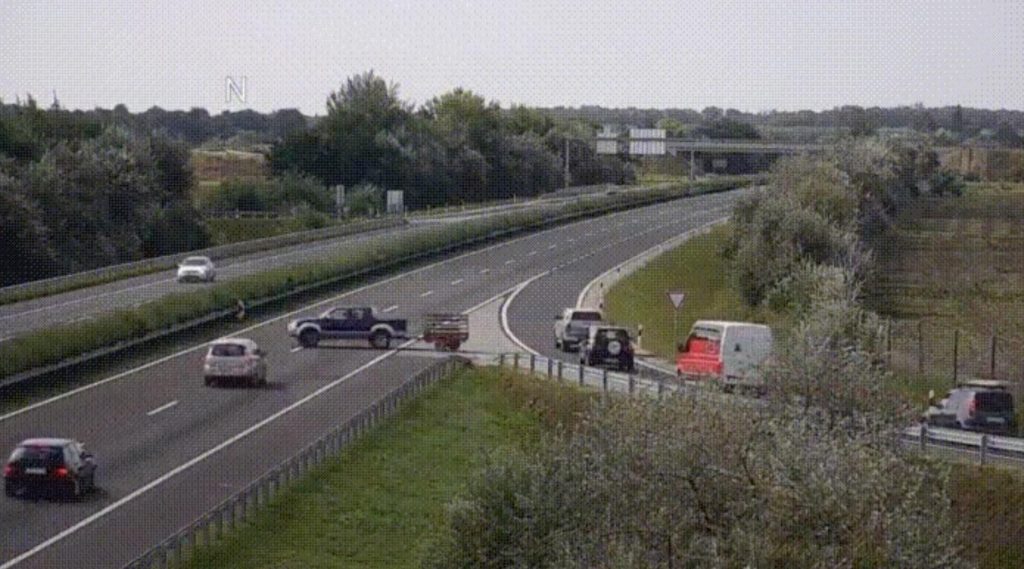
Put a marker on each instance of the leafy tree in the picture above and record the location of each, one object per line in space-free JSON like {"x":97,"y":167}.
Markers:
{"x":727,"y":129}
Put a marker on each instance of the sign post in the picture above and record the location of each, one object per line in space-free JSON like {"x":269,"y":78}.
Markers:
{"x":677,"y":298}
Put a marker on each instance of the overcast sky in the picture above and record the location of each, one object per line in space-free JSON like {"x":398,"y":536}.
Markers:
{"x":753,"y":55}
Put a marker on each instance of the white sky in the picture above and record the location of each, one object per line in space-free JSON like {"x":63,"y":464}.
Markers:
{"x":747,"y":54}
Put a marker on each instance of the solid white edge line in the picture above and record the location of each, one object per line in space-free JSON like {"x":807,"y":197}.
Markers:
{"x":303,"y":309}
{"x":162,"y":408}
{"x":504,"y":316}
{"x":185,"y":466}
{"x":177,"y":470}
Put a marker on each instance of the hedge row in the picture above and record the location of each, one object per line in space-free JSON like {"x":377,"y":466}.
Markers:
{"x":54,"y":345}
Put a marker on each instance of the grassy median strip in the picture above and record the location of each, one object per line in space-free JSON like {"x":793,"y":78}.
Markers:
{"x":382,"y":501}
{"x":696,"y":268}
{"x":52,"y":345}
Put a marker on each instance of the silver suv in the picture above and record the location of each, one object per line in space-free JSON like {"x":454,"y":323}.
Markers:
{"x":235,"y":360}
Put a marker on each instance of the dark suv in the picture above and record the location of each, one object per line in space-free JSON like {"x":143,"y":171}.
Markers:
{"x":608,"y":344}
{"x":61,"y":465}
{"x":984,"y":406}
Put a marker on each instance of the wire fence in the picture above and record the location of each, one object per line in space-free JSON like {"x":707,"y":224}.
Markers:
{"x":243,"y":505}
{"x":938,"y":349}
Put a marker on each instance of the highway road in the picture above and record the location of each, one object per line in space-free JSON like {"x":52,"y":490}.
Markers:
{"x":88,"y":302}
{"x":169,"y":448}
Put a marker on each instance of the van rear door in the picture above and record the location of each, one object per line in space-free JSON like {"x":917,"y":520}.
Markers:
{"x":701,"y":354}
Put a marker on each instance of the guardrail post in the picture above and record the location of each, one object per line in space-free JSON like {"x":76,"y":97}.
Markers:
{"x":924,"y":436}
{"x":661,"y":386}
{"x":560,"y":376}
{"x":604,"y":380}
{"x":984,"y":449}
{"x":515,"y":361}
{"x":533,"y":363}
{"x":550,"y":366}
{"x":632,"y":383}
{"x":582,"y":370}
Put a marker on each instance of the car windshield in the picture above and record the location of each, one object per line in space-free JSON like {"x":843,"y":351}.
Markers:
{"x":38,"y":455}
{"x":587,"y":316}
{"x":228,"y":350}
{"x":994,"y":401}
{"x":614,"y":335}
{"x":194,"y":262}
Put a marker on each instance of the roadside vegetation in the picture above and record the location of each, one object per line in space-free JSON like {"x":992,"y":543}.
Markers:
{"x":53,"y":345}
{"x":381,"y":503}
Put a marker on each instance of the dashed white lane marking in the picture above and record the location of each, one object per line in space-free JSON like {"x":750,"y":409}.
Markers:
{"x":570,"y":240}
{"x":457,"y":281}
{"x":296,"y":349}
{"x":531,"y":253}
{"x":428,"y":293}
{"x":391,"y":308}
{"x":552,"y":246}
{"x":510,"y":261}
{"x":162,"y":408}
{"x":484,"y":271}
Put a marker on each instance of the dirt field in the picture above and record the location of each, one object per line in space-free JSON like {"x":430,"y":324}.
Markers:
{"x":212,"y":165}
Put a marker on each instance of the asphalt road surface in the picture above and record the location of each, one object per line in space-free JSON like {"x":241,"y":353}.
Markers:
{"x":169,"y":448}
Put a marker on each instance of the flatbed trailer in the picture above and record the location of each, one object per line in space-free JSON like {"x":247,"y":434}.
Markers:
{"x":446,"y":331}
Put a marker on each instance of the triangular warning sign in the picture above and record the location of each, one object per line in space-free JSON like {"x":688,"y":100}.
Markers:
{"x":677,"y":298}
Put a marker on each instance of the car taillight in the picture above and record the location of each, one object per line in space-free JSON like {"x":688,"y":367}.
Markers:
{"x":9,"y":470}
{"x":60,"y":472}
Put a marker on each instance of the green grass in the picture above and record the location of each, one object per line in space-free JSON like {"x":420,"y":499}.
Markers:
{"x":988,"y":502}
{"x":51,"y":345}
{"x":696,"y":268}
{"x":382,"y":501}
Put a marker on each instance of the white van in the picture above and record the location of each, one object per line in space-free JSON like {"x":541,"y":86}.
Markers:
{"x":730,"y":352}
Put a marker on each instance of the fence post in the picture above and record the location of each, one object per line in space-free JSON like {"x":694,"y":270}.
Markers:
{"x":533,"y":363}
{"x":956,"y":356}
{"x":560,"y":376}
{"x":515,"y":361}
{"x":984,"y":448}
{"x":550,"y":366}
{"x":992,"y":357}
{"x":501,"y":360}
{"x":661,"y":386}
{"x":920,"y":347}
{"x":632,"y":383}
{"x":888,"y":341}
{"x":604,"y":380}
{"x":581,"y":369}
{"x":924,"y":436}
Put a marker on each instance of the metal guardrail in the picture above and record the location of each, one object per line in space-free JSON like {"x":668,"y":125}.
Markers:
{"x":242,"y":505}
{"x":224,"y":313}
{"x":984,"y":446}
{"x":218,"y":252}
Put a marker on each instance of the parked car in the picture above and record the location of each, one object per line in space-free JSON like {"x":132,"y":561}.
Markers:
{"x":349,"y":323}
{"x":729,"y":352}
{"x":235,"y":360}
{"x":573,"y":325}
{"x":608,"y":345}
{"x":196,"y":269}
{"x":50,"y":464}
{"x":978,"y":405}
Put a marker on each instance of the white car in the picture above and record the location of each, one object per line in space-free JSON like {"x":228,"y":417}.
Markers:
{"x":196,"y":269}
{"x":235,"y":360}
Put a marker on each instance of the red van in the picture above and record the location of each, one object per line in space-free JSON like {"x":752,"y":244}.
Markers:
{"x":730,"y":352}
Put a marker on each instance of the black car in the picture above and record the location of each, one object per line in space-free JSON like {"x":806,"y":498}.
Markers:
{"x":60,"y":465}
{"x":608,"y":345}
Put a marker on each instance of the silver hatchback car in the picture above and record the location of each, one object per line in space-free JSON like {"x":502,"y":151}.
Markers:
{"x":237,"y":360}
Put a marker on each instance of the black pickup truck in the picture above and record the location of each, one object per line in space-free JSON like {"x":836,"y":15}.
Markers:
{"x":349,"y":323}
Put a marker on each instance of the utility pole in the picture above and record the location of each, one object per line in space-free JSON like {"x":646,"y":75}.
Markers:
{"x":566,"y":162}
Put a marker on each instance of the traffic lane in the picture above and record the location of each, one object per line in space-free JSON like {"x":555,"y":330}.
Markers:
{"x":80,"y":304}
{"x":203,"y":416}
{"x":531,"y":313}
{"x":85,"y":303}
{"x":128,"y":531}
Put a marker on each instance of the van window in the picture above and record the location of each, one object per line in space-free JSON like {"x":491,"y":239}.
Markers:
{"x":994,"y":401}
{"x":703,"y":341}
{"x":228,"y":350}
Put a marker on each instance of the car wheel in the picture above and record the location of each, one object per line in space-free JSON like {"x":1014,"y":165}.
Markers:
{"x":309,"y":338}
{"x":380,"y":340}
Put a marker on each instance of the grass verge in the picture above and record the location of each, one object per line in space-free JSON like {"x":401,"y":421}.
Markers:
{"x":51,"y":346}
{"x":382,"y":501}
{"x":696,"y":268}
{"x":989,"y":502}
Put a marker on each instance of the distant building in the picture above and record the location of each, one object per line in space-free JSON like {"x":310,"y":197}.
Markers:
{"x":647,"y":147}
